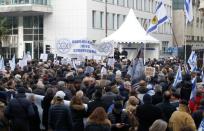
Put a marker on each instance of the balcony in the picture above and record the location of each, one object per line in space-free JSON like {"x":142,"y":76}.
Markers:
{"x":25,"y":6}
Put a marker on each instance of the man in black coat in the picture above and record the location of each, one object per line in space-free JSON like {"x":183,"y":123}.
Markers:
{"x":97,"y":102}
{"x":147,"y":113}
{"x":109,"y":96}
{"x":19,"y":111}
{"x":186,"y":87}
{"x":166,"y":107}
{"x":117,"y":54}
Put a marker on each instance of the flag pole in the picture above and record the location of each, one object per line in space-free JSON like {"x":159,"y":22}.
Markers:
{"x":144,"y":51}
{"x":185,"y":30}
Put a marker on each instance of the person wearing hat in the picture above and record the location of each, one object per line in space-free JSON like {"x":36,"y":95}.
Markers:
{"x":59,"y":118}
{"x":181,"y":117}
{"x":147,"y":113}
{"x":19,"y":111}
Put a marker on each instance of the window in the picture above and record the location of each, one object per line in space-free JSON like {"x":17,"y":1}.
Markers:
{"x":130,"y":3}
{"x":110,"y":1}
{"x":178,"y":4}
{"x":120,"y":2}
{"x":101,"y":20}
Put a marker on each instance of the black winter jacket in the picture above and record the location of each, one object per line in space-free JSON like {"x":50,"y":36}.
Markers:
{"x":60,"y":118}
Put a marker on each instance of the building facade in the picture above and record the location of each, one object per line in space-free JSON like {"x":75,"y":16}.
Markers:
{"x":35,"y":25}
{"x":193,"y":32}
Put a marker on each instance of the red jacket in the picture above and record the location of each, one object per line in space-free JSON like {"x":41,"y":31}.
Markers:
{"x":194,"y":104}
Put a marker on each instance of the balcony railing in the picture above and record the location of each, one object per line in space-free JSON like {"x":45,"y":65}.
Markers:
{"x":19,"y":2}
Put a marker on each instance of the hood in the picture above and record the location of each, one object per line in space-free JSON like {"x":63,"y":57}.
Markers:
{"x":142,"y":90}
{"x":105,"y":122}
{"x":78,"y":107}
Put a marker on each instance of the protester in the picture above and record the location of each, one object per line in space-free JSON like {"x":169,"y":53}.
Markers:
{"x":166,"y":107}
{"x":59,"y":118}
{"x":147,"y":113}
{"x":35,"y":120}
{"x":181,"y":117}
{"x":158,"y":125}
{"x":78,"y":113}
{"x":46,"y":103}
{"x":198,"y":114}
{"x":20,"y":111}
{"x":119,"y":118}
{"x":98,"y":122}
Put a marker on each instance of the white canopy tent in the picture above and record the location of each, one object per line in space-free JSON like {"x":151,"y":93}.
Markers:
{"x":131,"y":31}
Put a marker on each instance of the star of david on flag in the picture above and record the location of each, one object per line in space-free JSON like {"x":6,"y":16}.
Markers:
{"x":159,"y":18}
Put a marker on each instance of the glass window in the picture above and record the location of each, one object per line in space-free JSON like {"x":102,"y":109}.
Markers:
{"x":178,"y":4}
{"x":93,"y":18}
{"x":35,"y":22}
{"x":121,"y":2}
{"x":28,"y":31}
{"x":101,"y":20}
{"x":28,"y":37}
{"x":27,"y":22}
{"x":130,"y":3}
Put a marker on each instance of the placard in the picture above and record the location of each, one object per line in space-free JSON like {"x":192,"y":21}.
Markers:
{"x":44,"y":57}
{"x":149,"y":71}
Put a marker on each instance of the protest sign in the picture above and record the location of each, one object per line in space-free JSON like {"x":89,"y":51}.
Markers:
{"x":149,"y":71}
{"x":44,"y":57}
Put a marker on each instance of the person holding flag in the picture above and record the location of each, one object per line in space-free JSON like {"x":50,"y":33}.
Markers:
{"x":159,"y":18}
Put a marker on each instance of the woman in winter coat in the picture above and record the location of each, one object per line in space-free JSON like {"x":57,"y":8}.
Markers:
{"x":98,"y":121}
{"x":78,"y":113}
{"x":45,"y":104}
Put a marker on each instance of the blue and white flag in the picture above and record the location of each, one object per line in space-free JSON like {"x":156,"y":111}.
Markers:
{"x":201,"y":127}
{"x":192,"y":61}
{"x":159,"y":18}
{"x":202,"y":76}
{"x":178,"y":77}
{"x":186,"y":69}
{"x":2,"y":66}
{"x":194,"y":89}
{"x":12,"y":63}
{"x":188,"y":8}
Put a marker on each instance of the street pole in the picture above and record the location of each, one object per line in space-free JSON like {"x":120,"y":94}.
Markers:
{"x":106,"y":19}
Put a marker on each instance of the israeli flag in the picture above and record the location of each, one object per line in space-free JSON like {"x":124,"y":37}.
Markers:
{"x":12,"y":63}
{"x":194,"y":89}
{"x":159,"y":18}
{"x":188,"y":10}
{"x":202,"y":76}
{"x":201,"y":127}
{"x":178,"y":77}
{"x":192,"y":61}
{"x":187,"y":69}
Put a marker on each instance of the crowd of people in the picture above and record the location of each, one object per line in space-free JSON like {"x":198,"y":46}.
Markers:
{"x":102,"y":97}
